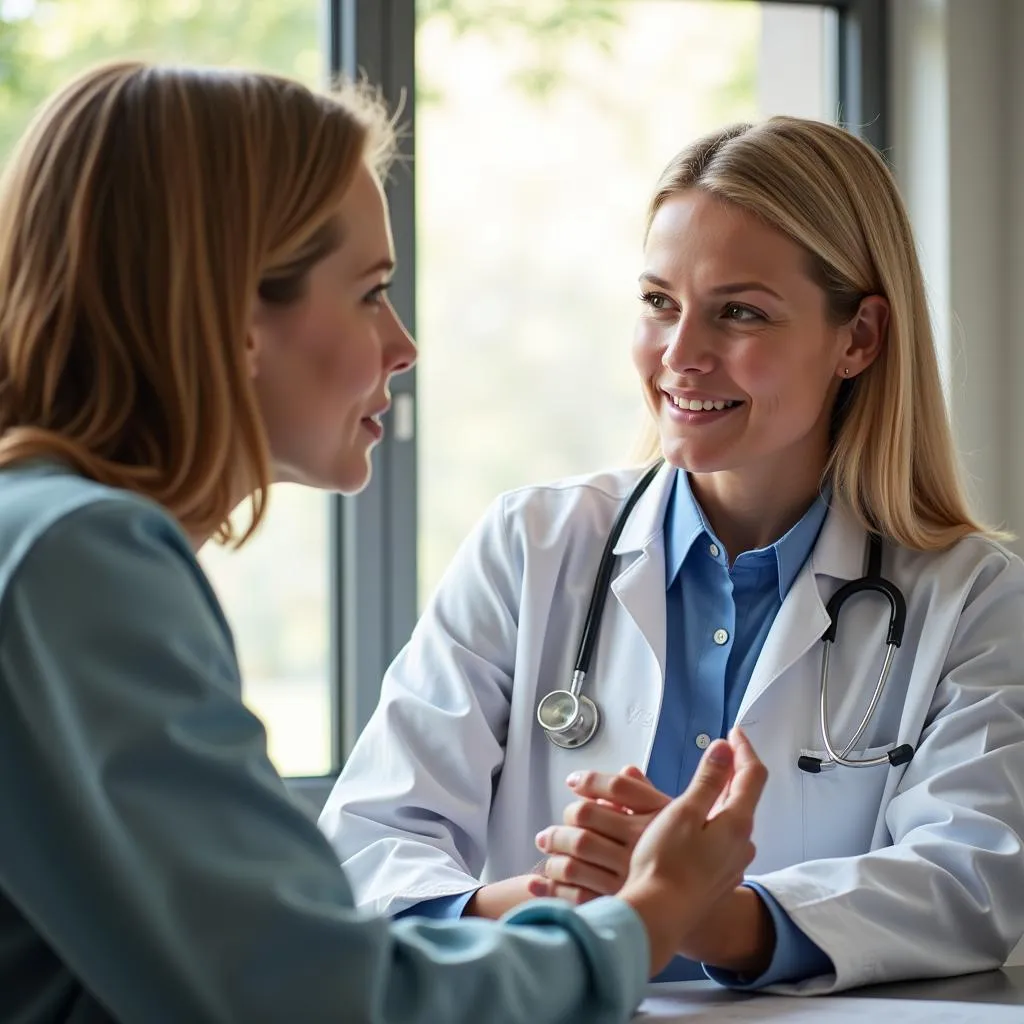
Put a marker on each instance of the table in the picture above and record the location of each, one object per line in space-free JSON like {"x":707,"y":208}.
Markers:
{"x":1005,"y":987}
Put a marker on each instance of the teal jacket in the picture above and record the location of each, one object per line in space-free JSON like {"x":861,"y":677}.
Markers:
{"x":153,"y":867}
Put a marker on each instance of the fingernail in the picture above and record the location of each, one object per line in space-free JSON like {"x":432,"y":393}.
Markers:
{"x":541,"y":839}
{"x":573,"y":778}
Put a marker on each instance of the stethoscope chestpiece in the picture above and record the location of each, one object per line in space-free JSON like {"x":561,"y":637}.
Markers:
{"x":569,"y":720}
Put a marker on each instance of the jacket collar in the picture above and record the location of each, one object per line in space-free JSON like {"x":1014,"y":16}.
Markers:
{"x":647,"y":519}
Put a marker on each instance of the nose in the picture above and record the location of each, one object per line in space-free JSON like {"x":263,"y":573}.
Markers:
{"x":399,"y":350}
{"x":689,"y":349}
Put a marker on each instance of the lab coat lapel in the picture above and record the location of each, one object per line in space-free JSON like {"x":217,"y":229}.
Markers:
{"x":838,"y":555}
{"x":639,"y":586}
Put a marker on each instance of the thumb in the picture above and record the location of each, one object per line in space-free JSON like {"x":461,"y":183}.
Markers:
{"x":711,"y":778}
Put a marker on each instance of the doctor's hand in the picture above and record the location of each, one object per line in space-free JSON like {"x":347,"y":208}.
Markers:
{"x":588,"y":854}
{"x":687,"y":860}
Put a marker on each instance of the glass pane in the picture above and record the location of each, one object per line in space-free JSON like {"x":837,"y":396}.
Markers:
{"x":275,"y":589}
{"x":541,"y":130}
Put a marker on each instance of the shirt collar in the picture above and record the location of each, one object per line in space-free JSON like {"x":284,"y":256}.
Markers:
{"x":685,"y":523}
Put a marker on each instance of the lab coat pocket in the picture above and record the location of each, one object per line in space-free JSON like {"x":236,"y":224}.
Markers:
{"x":841,"y":805}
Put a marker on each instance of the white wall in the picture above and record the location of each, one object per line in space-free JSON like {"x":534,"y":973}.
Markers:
{"x":957,"y":148}
{"x":958,"y":151}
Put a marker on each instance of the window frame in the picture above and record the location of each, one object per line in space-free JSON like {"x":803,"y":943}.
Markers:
{"x":372,"y":536}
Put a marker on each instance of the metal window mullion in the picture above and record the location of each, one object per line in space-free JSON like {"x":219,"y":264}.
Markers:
{"x":373,"y":535}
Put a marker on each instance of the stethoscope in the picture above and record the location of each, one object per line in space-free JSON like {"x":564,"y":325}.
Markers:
{"x":570,"y":718}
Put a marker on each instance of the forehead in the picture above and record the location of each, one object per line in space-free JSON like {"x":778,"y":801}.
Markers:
{"x":697,"y":229}
{"x":365,"y":223}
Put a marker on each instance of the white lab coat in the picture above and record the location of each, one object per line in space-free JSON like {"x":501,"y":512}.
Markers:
{"x":913,"y":871}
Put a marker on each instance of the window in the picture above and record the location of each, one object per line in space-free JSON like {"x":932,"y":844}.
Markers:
{"x":539,"y":129}
{"x":536,"y":154}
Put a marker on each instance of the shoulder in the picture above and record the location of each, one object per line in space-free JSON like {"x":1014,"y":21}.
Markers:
{"x":582,"y":502}
{"x":973,"y":564}
{"x":69,"y":539}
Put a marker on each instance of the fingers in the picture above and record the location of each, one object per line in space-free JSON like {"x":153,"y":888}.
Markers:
{"x":580,"y":875}
{"x":748,"y":778}
{"x":539,"y":887}
{"x":631,"y":791}
{"x":584,"y":845}
{"x":609,"y":822}
{"x":712,"y":776}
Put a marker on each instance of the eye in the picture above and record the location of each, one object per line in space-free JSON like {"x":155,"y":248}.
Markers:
{"x":741,"y":314}
{"x":655,"y":300}
{"x":377,"y":295}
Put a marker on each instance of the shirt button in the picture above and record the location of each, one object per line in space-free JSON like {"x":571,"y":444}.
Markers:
{"x":713,"y":550}
{"x":720,"y":636}
{"x":703,"y":741}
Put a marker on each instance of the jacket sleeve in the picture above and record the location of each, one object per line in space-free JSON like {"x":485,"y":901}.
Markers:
{"x":946,"y":897}
{"x":149,"y":840}
{"x":408,"y":815}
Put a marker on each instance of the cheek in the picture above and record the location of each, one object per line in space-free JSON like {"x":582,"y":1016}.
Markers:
{"x":646,"y":347}
{"x":796,"y":387}
{"x":336,"y":355}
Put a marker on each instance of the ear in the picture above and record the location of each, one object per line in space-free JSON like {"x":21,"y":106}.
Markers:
{"x":252,"y":353}
{"x":865,"y":335}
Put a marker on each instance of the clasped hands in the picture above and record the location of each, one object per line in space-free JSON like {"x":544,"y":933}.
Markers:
{"x":589,"y":854}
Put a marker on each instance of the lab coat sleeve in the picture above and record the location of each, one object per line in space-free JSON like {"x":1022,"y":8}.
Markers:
{"x":148,"y":838}
{"x":408,"y":816}
{"x":947,"y":897}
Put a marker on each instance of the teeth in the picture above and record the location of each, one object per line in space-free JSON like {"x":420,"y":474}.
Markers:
{"x":696,"y":405}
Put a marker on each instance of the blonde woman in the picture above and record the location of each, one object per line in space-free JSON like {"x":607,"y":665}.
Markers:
{"x":193,"y":303}
{"x":784,"y":349}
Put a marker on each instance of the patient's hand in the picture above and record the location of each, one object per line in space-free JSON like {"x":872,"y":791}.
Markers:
{"x":588,"y":855}
{"x":692,"y":857}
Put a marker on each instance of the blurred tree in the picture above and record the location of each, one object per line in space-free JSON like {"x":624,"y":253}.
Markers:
{"x":547,"y":26}
{"x":43,"y":43}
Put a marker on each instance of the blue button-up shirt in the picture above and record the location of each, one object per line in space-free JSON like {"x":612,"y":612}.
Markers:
{"x":718,"y":618}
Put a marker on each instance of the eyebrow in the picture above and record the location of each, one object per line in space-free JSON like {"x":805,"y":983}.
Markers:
{"x":722,"y":289}
{"x":386,"y":264}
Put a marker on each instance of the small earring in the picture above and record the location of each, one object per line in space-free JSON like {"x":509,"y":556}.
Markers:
{"x":846,"y":371}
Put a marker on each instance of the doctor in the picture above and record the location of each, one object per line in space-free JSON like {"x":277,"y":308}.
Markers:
{"x":784,"y":348}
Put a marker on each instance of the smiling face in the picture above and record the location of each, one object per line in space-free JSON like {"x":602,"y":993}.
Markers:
{"x":739,"y":360}
{"x":322,"y":361}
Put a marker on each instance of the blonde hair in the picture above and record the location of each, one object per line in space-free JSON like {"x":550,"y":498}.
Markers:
{"x":892,"y":460}
{"x":141,"y":214}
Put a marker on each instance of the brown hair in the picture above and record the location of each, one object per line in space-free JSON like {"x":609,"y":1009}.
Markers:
{"x":140,"y":215}
{"x":892,"y":460}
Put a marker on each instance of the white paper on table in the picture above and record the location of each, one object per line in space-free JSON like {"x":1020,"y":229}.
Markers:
{"x":731,"y":1008}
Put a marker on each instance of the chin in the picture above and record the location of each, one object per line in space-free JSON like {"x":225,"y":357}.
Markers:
{"x":346,"y":477}
{"x":350,"y":477}
{"x":695,"y":458}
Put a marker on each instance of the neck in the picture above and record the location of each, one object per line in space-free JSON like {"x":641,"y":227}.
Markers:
{"x":751,"y":510}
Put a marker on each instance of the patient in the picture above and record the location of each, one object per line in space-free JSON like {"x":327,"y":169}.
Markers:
{"x":194,"y":268}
